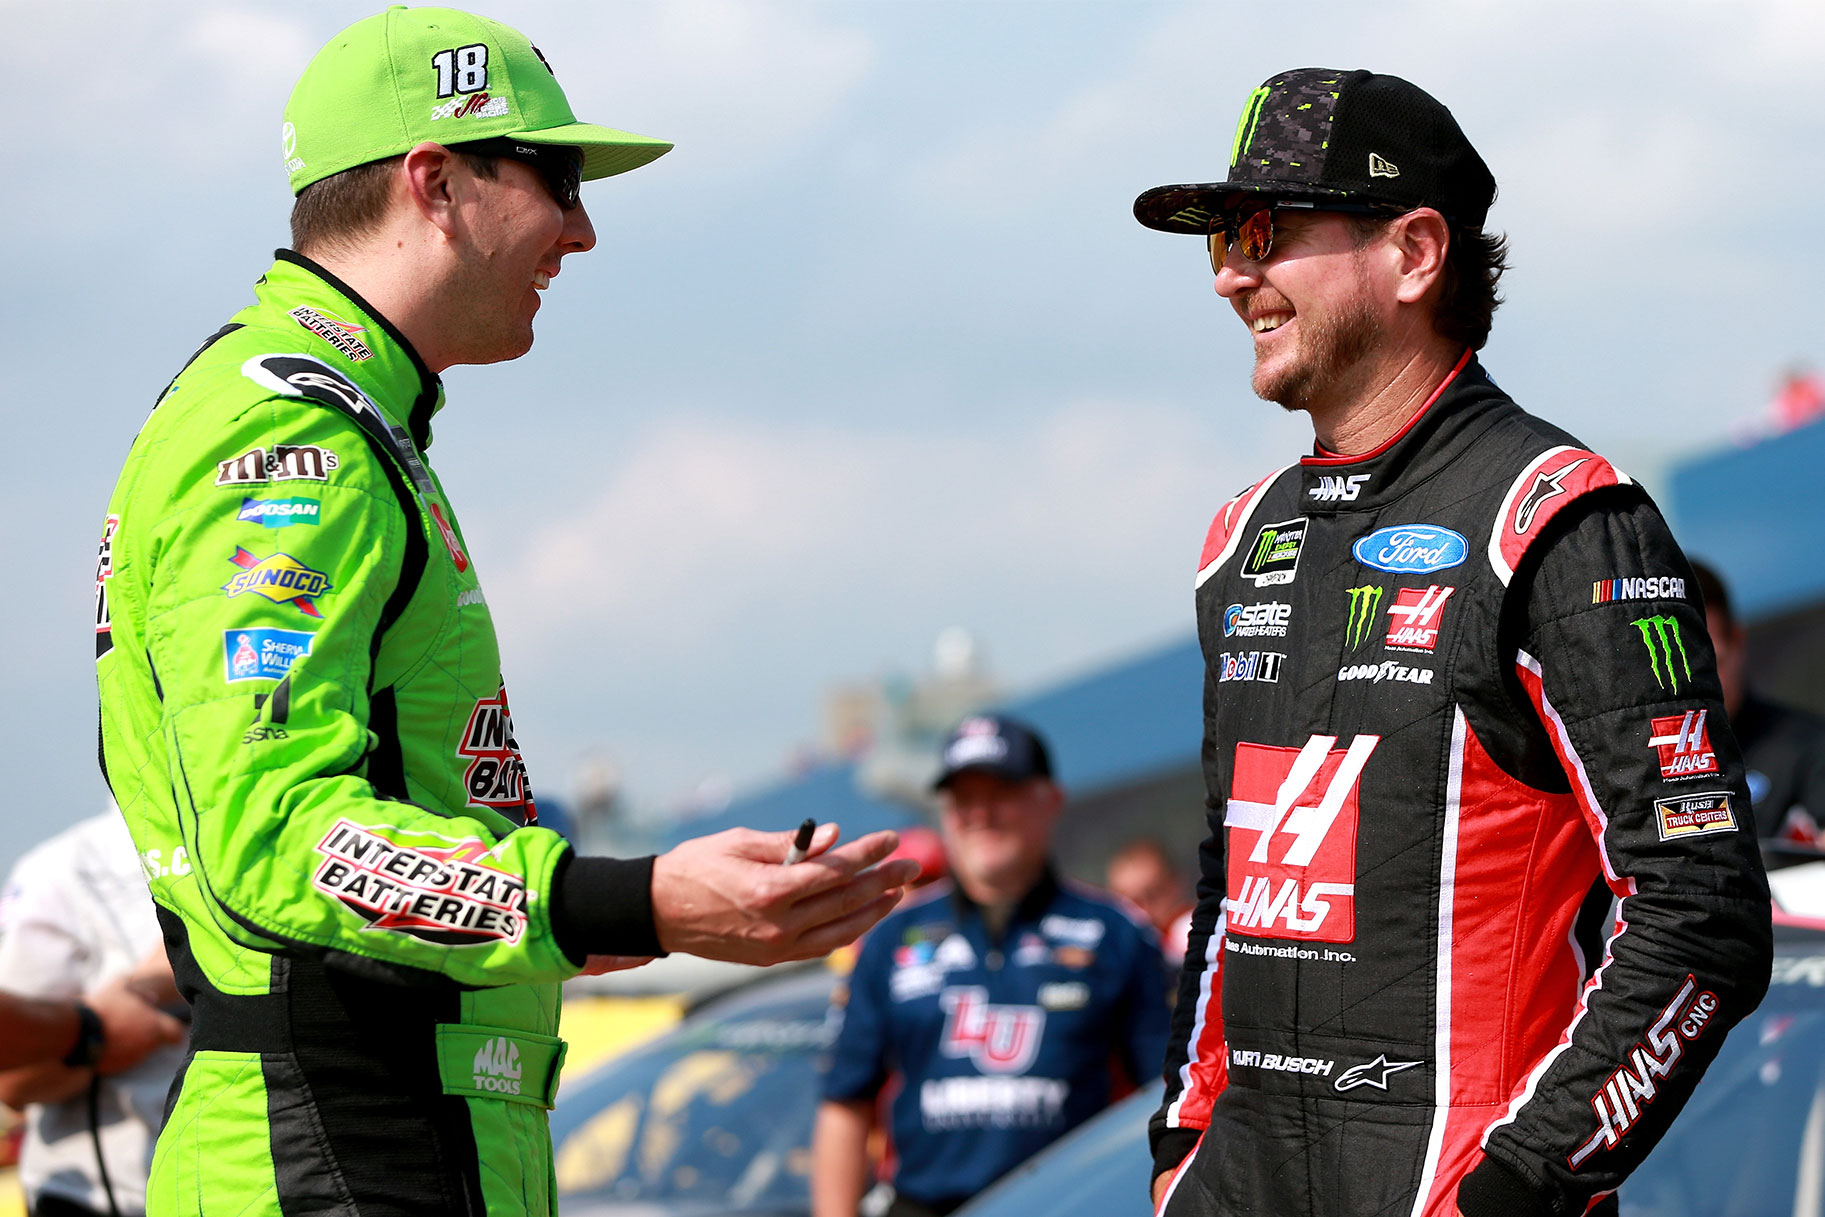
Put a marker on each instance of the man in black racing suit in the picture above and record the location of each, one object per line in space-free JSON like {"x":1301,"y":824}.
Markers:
{"x":1481,"y":897}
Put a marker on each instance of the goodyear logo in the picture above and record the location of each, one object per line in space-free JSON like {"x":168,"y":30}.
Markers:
{"x":280,"y":578}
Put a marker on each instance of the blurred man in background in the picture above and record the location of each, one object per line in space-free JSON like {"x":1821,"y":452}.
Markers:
{"x":1005,"y":1001}
{"x":301,"y":683}
{"x":75,"y":914}
{"x":1142,"y":873}
{"x":1783,"y":747}
{"x":1441,"y":654}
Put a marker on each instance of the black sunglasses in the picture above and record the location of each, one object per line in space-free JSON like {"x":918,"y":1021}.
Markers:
{"x":1252,"y":225}
{"x":559,"y":165}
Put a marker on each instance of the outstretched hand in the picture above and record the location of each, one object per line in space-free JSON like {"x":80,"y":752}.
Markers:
{"x":728,"y":897}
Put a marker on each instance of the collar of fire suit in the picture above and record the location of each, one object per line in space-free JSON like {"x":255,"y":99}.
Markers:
{"x":1335,"y":484}
{"x":1030,"y":908}
{"x":377,"y":355}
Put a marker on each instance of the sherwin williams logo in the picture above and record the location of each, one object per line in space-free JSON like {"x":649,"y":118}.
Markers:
{"x":1410,"y":549}
{"x":497,"y":1066}
{"x":1660,"y":635}
{"x":261,"y":654}
{"x":277,"y":513}
{"x":281,"y":578}
{"x":1363,"y":603}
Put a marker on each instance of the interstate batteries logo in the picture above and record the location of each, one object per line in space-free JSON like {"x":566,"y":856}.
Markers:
{"x":451,"y":895}
{"x":333,"y":330}
{"x":496,"y":776}
{"x":277,"y":513}
{"x":281,"y":579}
{"x":1273,"y":559}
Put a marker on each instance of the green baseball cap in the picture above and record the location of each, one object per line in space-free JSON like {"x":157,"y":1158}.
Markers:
{"x":387,"y":84}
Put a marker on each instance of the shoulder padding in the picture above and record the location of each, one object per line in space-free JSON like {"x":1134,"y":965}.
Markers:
{"x":305,"y":376}
{"x":1550,"y":482}
{"x":1226,"y":529}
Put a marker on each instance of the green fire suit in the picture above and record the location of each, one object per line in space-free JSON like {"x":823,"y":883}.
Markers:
{"x":304,"y":723}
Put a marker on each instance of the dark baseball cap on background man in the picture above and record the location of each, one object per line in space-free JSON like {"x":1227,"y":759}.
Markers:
{"x":1325,"y":136}
{"x":995,"y":744}
{"x":389,"y":83}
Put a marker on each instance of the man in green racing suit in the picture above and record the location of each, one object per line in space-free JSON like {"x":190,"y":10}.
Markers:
{"x":303,"y":717}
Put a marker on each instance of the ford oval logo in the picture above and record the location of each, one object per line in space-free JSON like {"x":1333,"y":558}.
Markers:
{"x":1412,"y":548}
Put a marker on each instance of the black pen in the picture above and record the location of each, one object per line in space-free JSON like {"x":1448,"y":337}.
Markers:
{"x":801,"y":843}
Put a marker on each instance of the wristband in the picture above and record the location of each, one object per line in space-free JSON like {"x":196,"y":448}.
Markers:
{"x":90,"y":1039}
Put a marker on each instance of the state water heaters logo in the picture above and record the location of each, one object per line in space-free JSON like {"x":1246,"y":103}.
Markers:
{"x":1683,"y":744}
{"x":1417,"y":615}
{"x":280,"y":578}
{"x":254,"y":653}
{"x":1296,"y":877}
{"x":1265,"y":620}
{"x":277,"y":513}
{"x":496,"y":776}
{"x":1273,"y":560}
{"x":452,"y":894}
{"x":997,"y":1038}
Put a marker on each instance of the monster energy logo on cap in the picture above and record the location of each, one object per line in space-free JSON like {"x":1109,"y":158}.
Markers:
{"x":1273,"y":559}
{"x":1363,"y":603}
{"x":1660,"y":635}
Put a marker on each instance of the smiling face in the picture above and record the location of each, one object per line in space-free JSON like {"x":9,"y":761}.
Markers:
{"x":1311,"y":307}
{"x":516,"y":237}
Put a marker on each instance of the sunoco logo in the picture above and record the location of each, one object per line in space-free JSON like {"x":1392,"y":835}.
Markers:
{"x":1660,"y":635}
{"x":1363,"y":603}
{"x":497,"y":1066}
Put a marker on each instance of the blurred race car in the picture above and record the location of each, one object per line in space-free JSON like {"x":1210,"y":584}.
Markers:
{"x":713,"y":1117}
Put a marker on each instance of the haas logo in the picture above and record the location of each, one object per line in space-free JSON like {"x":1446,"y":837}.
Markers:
{"x":999,"y":1039}
{"x":1292,"y":848}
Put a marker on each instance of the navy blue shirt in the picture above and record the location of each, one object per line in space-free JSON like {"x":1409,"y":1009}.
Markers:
{"x":1002,"y":1045}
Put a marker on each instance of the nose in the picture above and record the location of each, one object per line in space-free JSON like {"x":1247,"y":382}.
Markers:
{"x":578,"y":235}
{"x":1237,"y":274}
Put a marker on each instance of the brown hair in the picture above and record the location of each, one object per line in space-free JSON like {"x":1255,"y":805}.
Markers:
{"x":1467,"y":299}
{"x":343,"y":207}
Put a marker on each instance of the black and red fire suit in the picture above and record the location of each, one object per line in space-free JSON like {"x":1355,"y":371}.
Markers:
{"x":1458,"y":691}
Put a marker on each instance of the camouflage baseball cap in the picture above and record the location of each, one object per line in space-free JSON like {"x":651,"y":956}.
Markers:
{"x":384,"y":85}
{"x":1318,"y":133}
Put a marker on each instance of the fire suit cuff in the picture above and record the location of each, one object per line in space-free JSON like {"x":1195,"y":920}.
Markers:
{"x":1171,"y":1146}
{"x":1494,"y":1189}
{"x":603,"y":906}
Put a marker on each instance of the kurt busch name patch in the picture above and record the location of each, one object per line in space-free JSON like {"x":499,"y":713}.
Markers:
{"x":450,"y":895}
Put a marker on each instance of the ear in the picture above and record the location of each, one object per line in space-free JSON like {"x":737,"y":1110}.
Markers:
{"x":429,"y":175}
{"x":1419,"y":240}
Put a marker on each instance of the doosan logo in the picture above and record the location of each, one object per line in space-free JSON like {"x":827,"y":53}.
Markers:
{"x":497,"y":1066}
{"x":1412,"y":549}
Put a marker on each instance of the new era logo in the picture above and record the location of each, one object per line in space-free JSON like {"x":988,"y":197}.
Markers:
{"x":1683,"y":745}
{"x":1380,"y":166}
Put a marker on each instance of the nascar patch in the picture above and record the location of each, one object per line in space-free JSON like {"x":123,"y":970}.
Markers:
{"x":1694,"y":815}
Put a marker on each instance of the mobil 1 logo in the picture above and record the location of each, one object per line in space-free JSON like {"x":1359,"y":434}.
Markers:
{"x":1273,"y":558}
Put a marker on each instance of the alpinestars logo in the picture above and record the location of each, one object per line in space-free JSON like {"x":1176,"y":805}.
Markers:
{"x":450,"y":895}
{"x":1296,"y":878}
{"x":1546,"y":486}
{"x":497,"y":1066}
{"x":1374,"y":1073}
{"x":496,"y":776}
{"x":998,"y":1038}
{"x":1417,"y":614}
{"x":104,"y":571}
{"x":1332,"y":488}
{"x":1363,"y":603}
{"x":1683,"y":745}
{"x":1636,"y":1083}
{"x":1660,"y":635}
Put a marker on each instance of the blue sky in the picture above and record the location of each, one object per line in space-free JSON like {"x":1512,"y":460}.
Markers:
{"x":878,"y":349}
